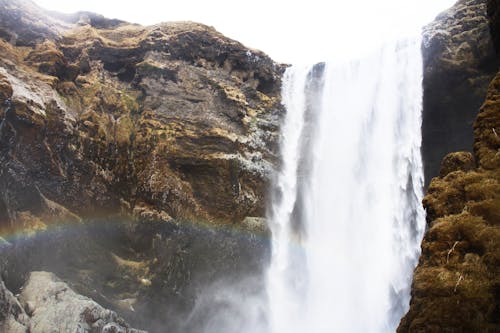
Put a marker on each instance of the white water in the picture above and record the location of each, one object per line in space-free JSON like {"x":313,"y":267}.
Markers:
{"x":346,"y":217}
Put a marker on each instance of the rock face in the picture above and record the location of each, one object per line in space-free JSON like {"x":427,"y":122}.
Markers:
{"x":53,"y":307}
{"x":459,"y":62}
{"x":494,"y":17}
{"x":457,"y":281}
{"x":134,"y":163}
{"x":101,"y":117}
{"x":167,"y":277}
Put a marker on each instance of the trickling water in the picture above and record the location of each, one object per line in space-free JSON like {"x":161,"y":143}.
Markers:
{"x":346,"y":216}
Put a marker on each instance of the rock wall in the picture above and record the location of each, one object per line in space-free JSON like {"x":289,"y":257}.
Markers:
{"x":167,"y":277}
{"x":455,"y":286}
{"x":100,"y":117}
{"x":457,"y":281}
{"x":134,"y":164}
{"x":493,"y":11}
{"x":459,"y":62}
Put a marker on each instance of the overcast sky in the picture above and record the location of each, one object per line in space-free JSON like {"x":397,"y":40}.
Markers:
{"x":289,"y":31}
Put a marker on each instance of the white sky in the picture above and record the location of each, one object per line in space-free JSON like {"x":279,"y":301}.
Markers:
{"x":289,"y":31}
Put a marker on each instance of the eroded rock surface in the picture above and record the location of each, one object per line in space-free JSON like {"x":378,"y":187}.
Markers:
{"x":49,"y":305}
{"x":459,"y":62}
{"x":457,"y":281}
{"x":101,"y":117}
{"x":13,"y":318}
{"x":134,"y":164}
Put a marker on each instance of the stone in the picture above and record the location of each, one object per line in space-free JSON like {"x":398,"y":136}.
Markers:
{"x":54,"y":306}
{"x":175,"y":118}
{"x":13,"y":318}
{"x":129,"y":158}
{"x":5,"y":89}
{"x":255,"y":224}
{"x":459,"y":62}
{"x":493,"y":11}
{"x":4,"y":244}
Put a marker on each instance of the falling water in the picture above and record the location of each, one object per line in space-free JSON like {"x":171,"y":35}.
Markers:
{"x":346,"y":217}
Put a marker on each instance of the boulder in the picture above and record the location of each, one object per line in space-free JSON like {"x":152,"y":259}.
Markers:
{"x":13,"y":318}
{"x":55,"y":307}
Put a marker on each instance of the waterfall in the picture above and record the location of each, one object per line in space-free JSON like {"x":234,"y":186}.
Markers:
{"x":346,"y":215}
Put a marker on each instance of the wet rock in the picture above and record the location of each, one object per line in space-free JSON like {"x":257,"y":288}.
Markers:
{"x":5,"y":89}
{"x":25,"y":24}
{"x":13,"y":318}
{"x":4,"y":244}
{"x":106,"y":115}
{"x":459,"y":62}
{"x":494,"y":18}
{"x":164,"y":136}
{"x":256,"y":225}
{"x":54,"y":306}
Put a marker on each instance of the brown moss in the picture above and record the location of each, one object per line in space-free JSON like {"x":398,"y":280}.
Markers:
{"x":456,"y":283}
{"x":463,"y":161}
{"x":48,"y":59}
{"x":130,"y":114}
{"x":487,"y":128}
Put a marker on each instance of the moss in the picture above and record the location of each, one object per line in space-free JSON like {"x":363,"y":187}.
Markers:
{"x":487,"y":128}
{"x":463,"y":161}
{"x":129,"y":102}
{"x":457,"y":280}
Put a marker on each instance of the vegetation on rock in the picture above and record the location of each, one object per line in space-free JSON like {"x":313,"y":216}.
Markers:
{"x":134,"y":161}
{"x":101,"y":117}
{"x":459,"y":63}
{"x":457,"y":280}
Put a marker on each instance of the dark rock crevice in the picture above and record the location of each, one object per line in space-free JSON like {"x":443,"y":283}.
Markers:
{"x":459,"y":62}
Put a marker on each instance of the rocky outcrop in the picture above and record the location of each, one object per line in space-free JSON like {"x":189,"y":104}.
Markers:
{"x":456,"y":283}
{"x":100,"y":117}
{"x":459,"y":62}
{"x":153,"y":277}
{"x":13,"y":318}
{"x":134,"y":164}
{"x":50,"y":305}
{"x":53,"y":306}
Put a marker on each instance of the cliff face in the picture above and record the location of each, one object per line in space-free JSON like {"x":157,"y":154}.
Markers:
{"x":134,"y":163}
{"x":493,"y":11}
{"x":102,"y":117}
{"x":457,"y":281}
{"x":459,"y":62}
